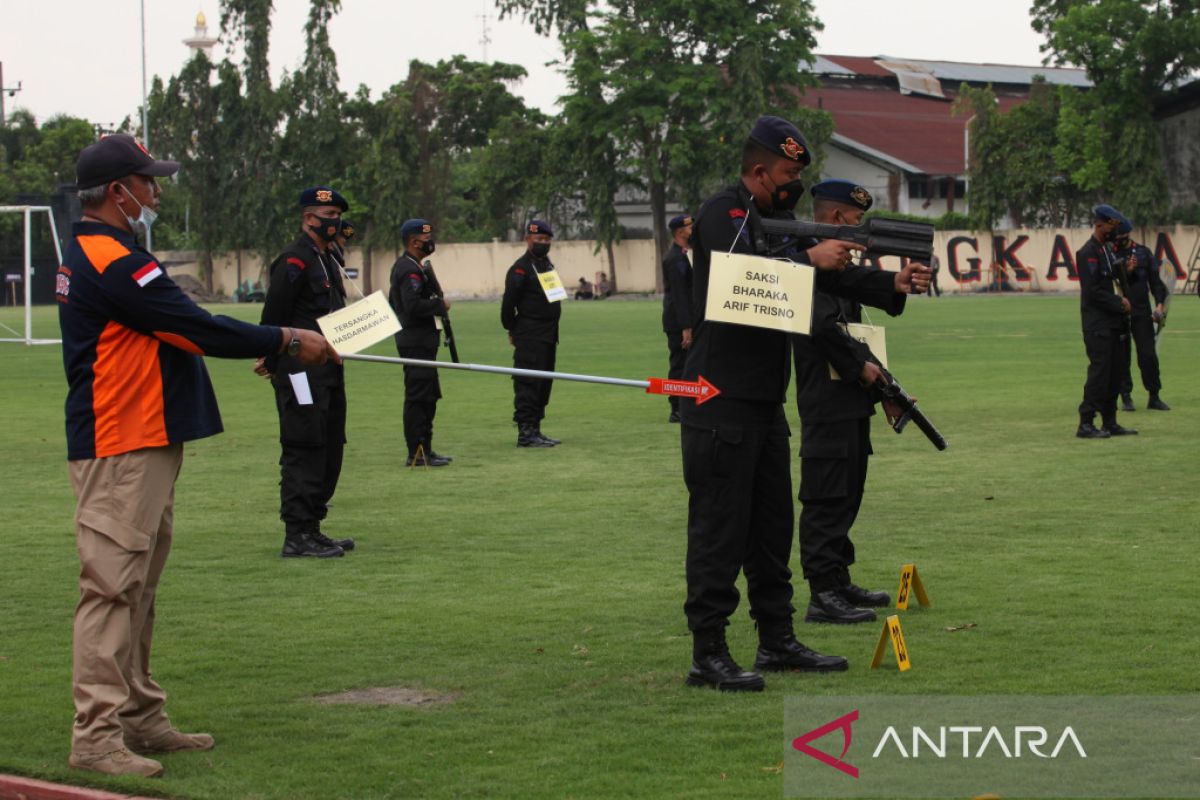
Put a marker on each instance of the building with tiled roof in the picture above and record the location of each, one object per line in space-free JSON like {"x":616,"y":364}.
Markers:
{"x":895,"y":131}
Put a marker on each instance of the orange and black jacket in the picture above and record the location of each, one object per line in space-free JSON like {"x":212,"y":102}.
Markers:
{"x":132,"y":342}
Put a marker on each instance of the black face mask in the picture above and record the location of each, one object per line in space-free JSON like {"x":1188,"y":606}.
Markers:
{"x":428,"y":247}
{"x":539,"y":249}
{"x":785,"y":197}
{"x":327,"y":227}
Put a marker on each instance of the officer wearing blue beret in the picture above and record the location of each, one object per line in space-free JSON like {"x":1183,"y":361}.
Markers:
{"x":1141,"y":268}
{"x":337,"y":248}
{"x":1105,"y":314}
{"x":677,"y":301}
{"x":835,"y":430}
{"x":735,"y":445}
{"x":416,"y":298}
{"x":531,"y":320}
{"x":306,"y":284}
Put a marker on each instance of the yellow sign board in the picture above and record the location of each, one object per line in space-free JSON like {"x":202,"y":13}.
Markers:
{"x":360,"y":324}
{"x":910,"y":582}
{"x":552,"y":285}
{"x":891,"y":630}
{"x":760,"y":292}
{"x":869,"y":335}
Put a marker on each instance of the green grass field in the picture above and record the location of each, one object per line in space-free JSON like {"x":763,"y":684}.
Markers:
{"x":540,"y":591}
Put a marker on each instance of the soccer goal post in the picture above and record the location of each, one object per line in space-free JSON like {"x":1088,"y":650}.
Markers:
{"x":27,"y":213}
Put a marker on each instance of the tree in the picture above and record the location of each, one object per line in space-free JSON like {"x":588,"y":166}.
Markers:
{"x":1134,"y":51}
{"x":1013,"y":165}
{"x":313,"y":148}
{"x":675,"y":86}
{"x":252,"y":124}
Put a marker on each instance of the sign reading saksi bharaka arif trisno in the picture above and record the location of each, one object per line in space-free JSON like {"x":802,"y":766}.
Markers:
{"x":760,"y":292}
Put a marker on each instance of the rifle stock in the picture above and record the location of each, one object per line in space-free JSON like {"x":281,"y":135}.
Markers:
{"x":910,"y":413}
{"x":447,"y":328}
{"x":879,"y":235}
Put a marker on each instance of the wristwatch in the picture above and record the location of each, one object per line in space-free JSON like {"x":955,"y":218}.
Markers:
{"x":293,"y":347}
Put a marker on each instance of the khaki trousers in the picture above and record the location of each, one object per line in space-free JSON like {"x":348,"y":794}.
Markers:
{"x":123,"y":526}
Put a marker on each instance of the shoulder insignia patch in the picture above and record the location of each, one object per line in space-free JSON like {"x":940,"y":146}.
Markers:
{"x":737,"y":213}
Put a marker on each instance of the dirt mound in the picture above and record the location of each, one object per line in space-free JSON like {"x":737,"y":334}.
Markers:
{"x":386,"y":696}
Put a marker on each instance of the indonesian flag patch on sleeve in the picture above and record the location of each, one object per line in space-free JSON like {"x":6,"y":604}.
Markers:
{"x":147,"y":273}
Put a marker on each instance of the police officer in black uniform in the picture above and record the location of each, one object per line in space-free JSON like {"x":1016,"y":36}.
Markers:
{"x":677,"y":301}
{"x":1104,"y":314}
{"x":338,"y":248}
{"x":1142,"y":268}
{"x":835,"y":430}
{"x":311,"y":401}
{"x":417,"y":305}
{"x":532,"y":324}
{"x":736,"y":462}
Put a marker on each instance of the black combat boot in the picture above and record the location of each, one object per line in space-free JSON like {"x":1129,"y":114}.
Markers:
{"x":713,"y":666}
{"x":527,"y":436}
{"x":303,"y":544}
{"x":547,"y":439}
{"x":346,"y":544}
{"x":1156,"y":403}
{"x":864,"y":598}
{"x":1113,"y":429}
{"x":830,"y":606}
{"x":1087,"y":430}
{"x":780,"y":651}
{"x":1127,"y":403}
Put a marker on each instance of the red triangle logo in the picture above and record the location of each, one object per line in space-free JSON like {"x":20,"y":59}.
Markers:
{"x":801,"y":743}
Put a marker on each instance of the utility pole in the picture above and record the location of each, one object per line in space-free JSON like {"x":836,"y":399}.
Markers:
{"x":145,"y":111}
{"x":9,"y":90}
{"x":485,"y":39}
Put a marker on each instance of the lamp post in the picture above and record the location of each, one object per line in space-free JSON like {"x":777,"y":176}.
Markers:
{"x":145,"y":111}
{"x":9,"y":90}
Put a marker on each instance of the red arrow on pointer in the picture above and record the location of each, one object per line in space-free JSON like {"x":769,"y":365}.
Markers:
{"x":701,"y":391}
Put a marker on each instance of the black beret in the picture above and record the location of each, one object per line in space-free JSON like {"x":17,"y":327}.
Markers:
{"x":1106,"y":213}
{"x":682,"y":221}
{"x":843,"y":192}
{"x":347,"y":229}
{"x":781,"y":137}
{"x":537,"y":226}
{"x":116,"y":156}
{"x":323,"y":196}
{"x":414,"y":227}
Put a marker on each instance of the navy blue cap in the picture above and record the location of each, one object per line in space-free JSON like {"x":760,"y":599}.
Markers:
{"x":846,"y":192}
{"x":537,"y":226}
{"x":116,"y":156}
{"x":414,"y":227}
{"x":781,"y":137}
{"x":1106,"y":213}
{"x":347,"y":229}
{"x":322,"y":196}
{"x":1125,"y":227}
{"x":682,"y":221}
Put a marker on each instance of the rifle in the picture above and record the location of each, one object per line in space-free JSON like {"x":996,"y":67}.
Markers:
{"x":879,"y":235}
{"x":910,"y":413}
{"x":1123,"y":285}
{"x":446,"y":328}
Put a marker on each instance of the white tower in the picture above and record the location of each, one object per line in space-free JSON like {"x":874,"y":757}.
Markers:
{"x":201,"y":40}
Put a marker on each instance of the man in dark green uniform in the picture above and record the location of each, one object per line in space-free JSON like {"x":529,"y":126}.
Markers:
{"x":531,"y":320}
{"x":835,"y":430}
{"x":418,"y":306}
{"x":1104,"y":314}
{"x":736,"y":461}
{"x":677,"y":301}
{"x":1144,"y":283}
{"x":311,"y":401}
